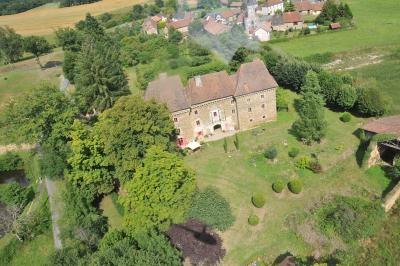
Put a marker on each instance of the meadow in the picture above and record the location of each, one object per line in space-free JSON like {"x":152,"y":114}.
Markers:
{"x":44,"y":20}
{"x":376,"y":24}
{"x":25,"y":75}
{"x":240,"y":174}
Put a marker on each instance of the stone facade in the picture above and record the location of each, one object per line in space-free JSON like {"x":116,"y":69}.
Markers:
{"x":218,"y":102}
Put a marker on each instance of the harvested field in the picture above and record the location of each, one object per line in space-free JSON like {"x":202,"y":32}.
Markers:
{"x":44,"y":20}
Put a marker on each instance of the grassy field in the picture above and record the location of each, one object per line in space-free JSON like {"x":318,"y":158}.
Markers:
{"x":25,"y":75}
{"x":239,"y":174}
{"x":44,"y":20}
{"x":377,"y":23}
{"x":387,"y":77}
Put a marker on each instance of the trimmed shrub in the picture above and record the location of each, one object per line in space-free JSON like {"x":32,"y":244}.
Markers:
{"x":278,"y":186}
{"x":258,"y":200}
{"x":345,"y":117}
{"x":295,"y":186}
{"x":303,"y":162}
{"x":253,"y":219}
{"x":271,"y":153}
{"x":208,"y":206}
{"x":293,"y":152}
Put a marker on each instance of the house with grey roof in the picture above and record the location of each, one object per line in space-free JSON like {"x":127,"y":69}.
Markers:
{"x":215,"y":103}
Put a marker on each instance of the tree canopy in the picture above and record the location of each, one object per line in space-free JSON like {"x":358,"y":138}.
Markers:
{"x":11,"y":45}
{"x":37,"y":46}
{"x":160,"y":192}
{"x":129,"y":128}
{"x":99,"y":77}
{"x":311,"y":126}
{"x":88,"y":171}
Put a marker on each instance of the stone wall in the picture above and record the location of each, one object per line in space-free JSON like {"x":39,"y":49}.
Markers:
{"x":229,"y":113}
{"x":256,"y":108}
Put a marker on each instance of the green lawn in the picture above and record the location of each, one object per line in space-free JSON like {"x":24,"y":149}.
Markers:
{"x":25,"y":75}
{"x":238,"y":174}
{"x":387,"y":75}
{"x":377,"y":24}
{"x":35,"y":252}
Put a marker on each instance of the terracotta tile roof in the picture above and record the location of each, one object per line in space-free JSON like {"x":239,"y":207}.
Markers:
{"x":390,"y":124}
{"x":209,"y":87}
{"x":273,"y":2}
{"x":318,"y":6}
{"x":303,"y":6}
{"x":253,"y":77}
{"x":180,"y":23}
{"x":230,"y":13}
{"x":240,"y":18}
{"x":236,"y":4}
{"x":156,"y":18}
{"x":168,"y":90}
{"x":291,"y":17}
{"x":266,"y":25}
{"x":215,"y":28}
{"x":149,"y":24}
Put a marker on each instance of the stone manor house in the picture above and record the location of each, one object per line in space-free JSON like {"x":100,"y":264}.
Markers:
{"x":215,"y":103}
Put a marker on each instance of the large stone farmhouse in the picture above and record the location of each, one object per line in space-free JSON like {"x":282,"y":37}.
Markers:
{"x":215,"y":103}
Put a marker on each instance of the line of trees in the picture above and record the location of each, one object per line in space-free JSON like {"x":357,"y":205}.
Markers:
{"x":13,"y":45}
{"x":9,"y":7}
{"x":67,"y":3}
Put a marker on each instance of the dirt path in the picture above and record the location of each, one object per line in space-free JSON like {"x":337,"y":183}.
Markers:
{"x":55,"y":216}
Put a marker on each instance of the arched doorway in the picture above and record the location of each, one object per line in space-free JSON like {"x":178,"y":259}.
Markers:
{"x":217,"y":128}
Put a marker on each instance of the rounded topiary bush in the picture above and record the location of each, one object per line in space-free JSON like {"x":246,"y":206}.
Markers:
{"x":295,"y":186}
{"x":258,"y":200}
{"x":271,"y":153}
{"x":278,"y":186}
{"x":346,"y":117}
{"x":253,"y":219}
{"x":293,"y":152}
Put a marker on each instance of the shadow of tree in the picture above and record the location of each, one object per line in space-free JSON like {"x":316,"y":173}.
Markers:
{"x":51,"y":64}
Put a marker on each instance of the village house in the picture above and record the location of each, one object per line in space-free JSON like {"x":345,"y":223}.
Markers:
{"x":286,"y":21}
{"x":236,"y":4}
{"x":271,"y":7}
{"x":228,"y":16}
{"x":263,"y":32}
{"x":149,"y":26}
{"x":213,"y":27}
{"x":181,"y":25}
{"x":308,"y":8}
{"x":218,"y":102}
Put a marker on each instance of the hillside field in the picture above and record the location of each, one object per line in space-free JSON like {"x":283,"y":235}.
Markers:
{"x":44,"y":20}
{"x":377,"y":24}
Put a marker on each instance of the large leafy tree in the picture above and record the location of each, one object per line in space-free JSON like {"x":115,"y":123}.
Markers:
{"x":311,"y":126}
{"x":37,"y":46}
{"x":42,"y":115}
{"x":129,"y":128}
{"x":88,"y":172}
{"x":99,"y":77}
{"x":11,"y":45}
{"x":160,"y":192}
